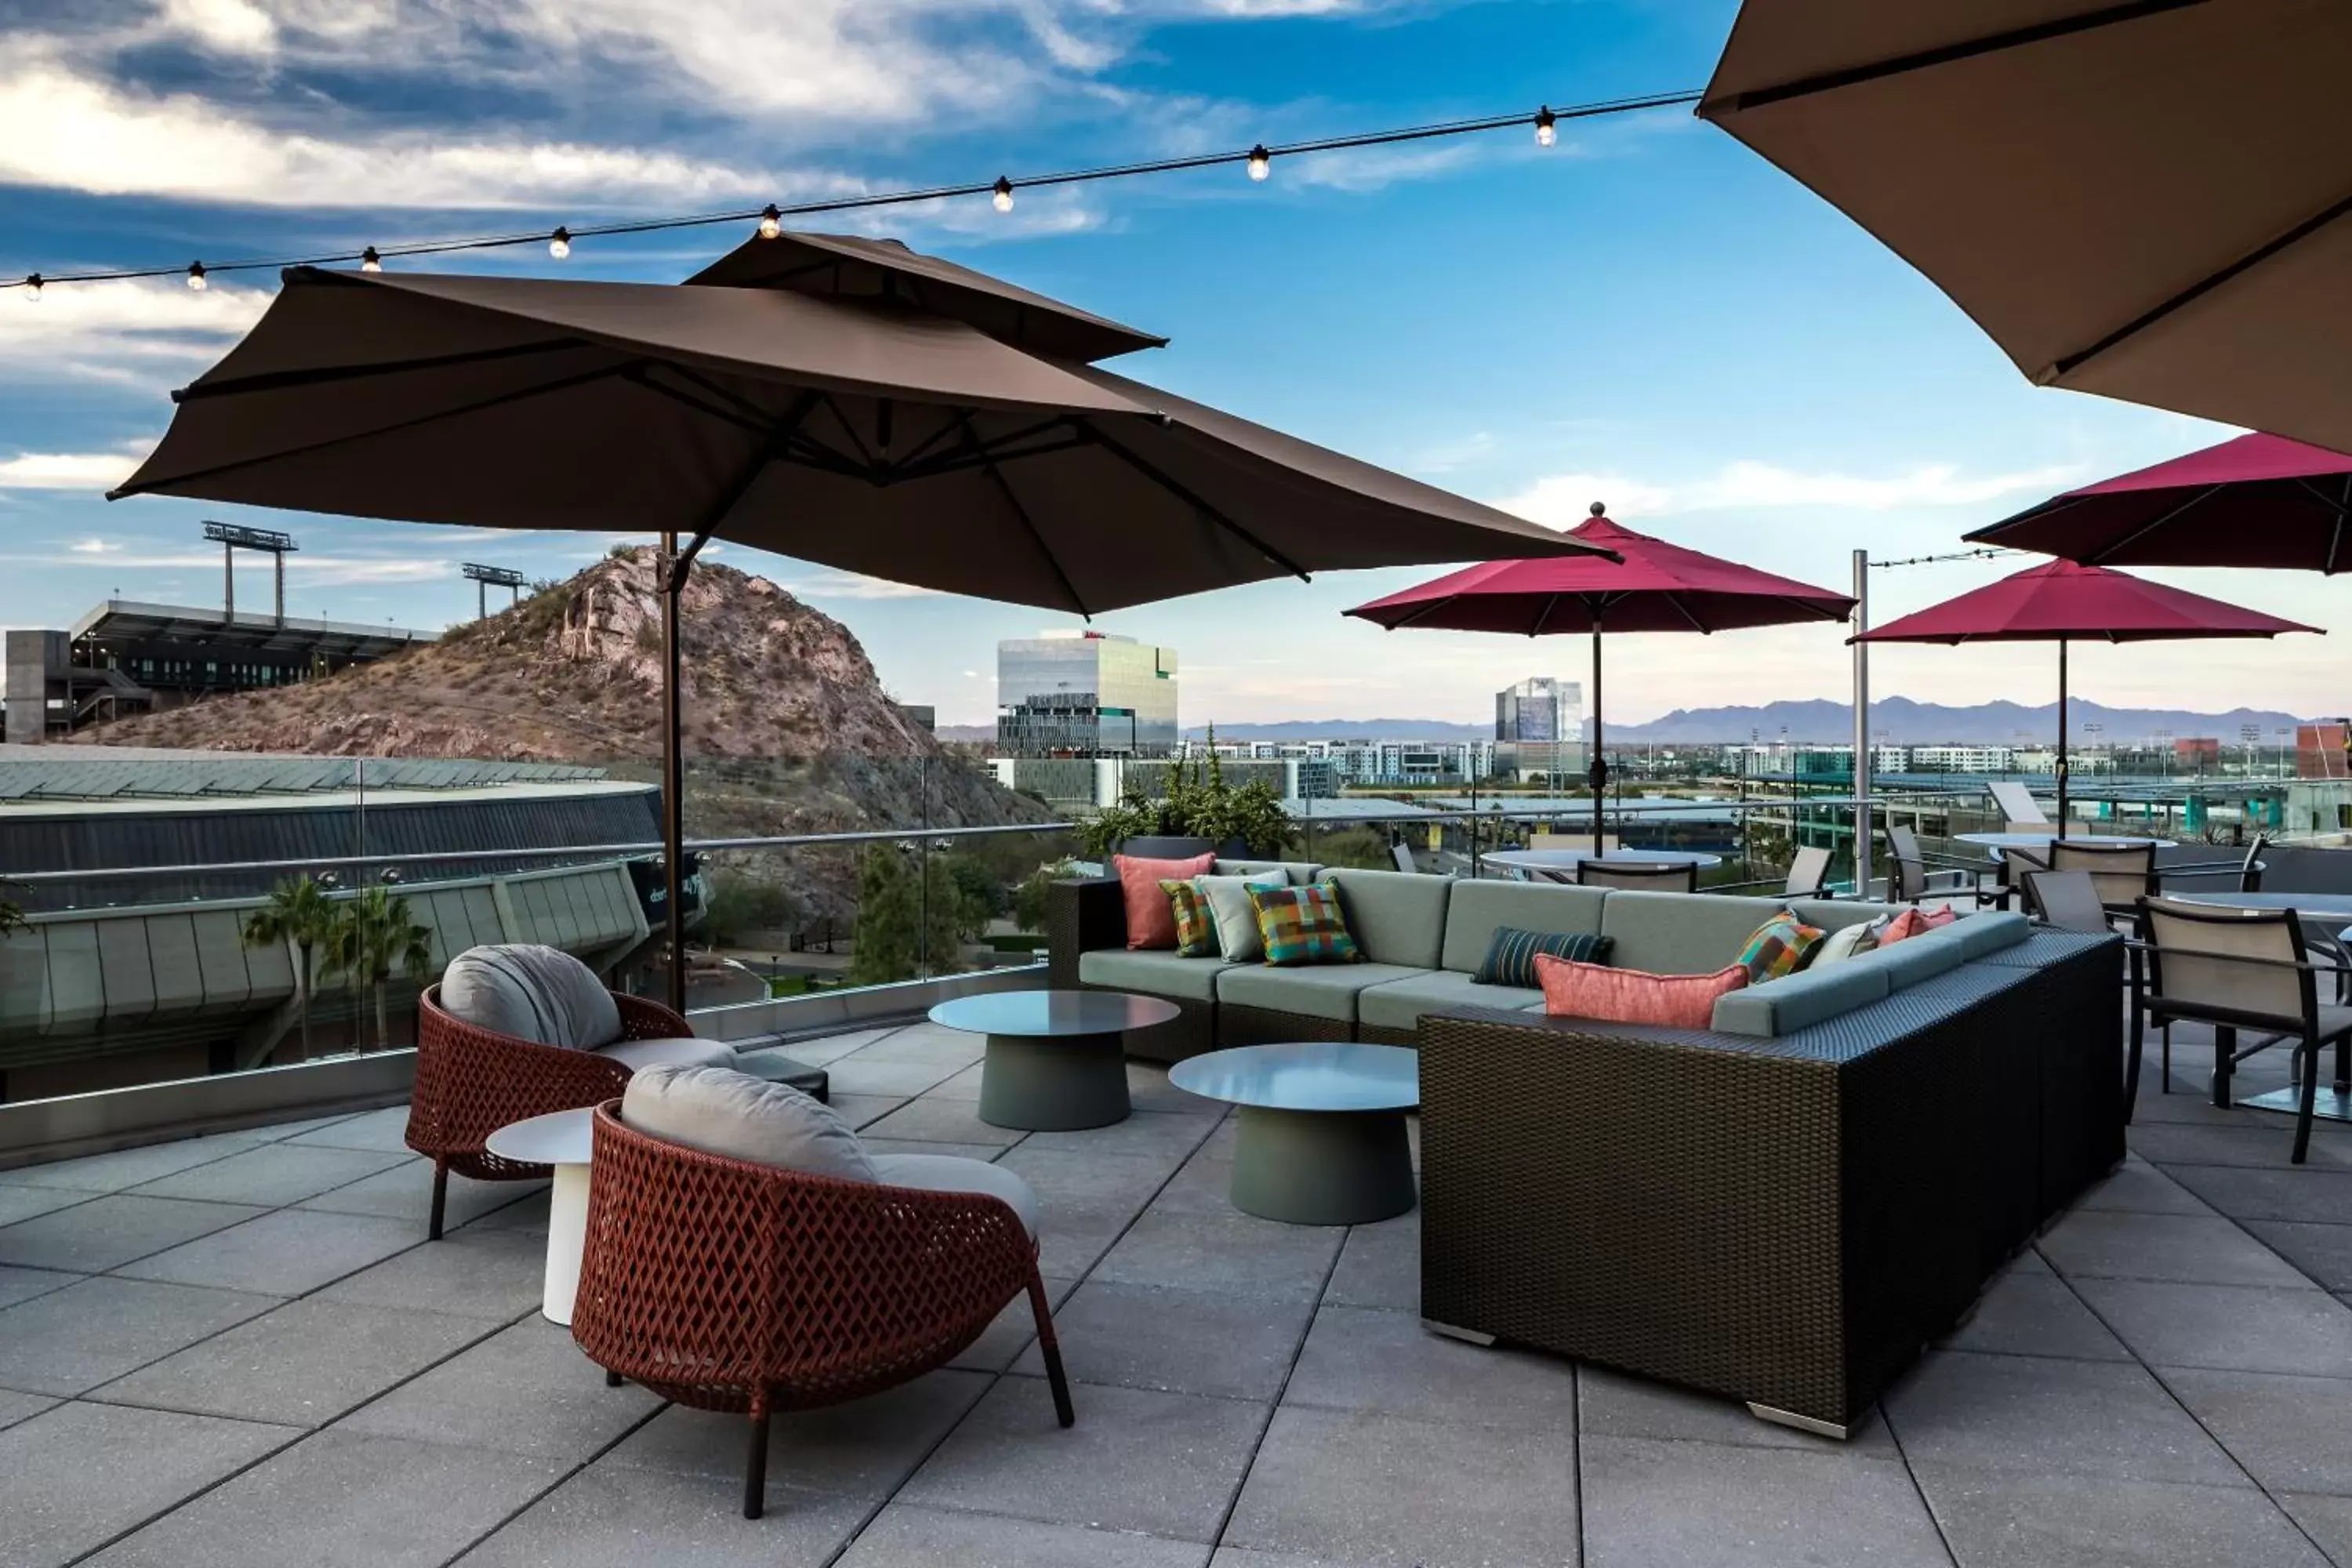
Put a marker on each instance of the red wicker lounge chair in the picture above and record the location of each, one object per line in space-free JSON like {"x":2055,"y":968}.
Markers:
{"x":470,"y":1082}
{"x":726,"y":1285}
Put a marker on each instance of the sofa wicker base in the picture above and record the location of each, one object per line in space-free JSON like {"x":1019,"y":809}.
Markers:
{"x":1267,"y":1026}
{"x":1381,"y":1035}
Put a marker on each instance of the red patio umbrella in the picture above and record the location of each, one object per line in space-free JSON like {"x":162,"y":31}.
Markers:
{"x":1653,"y":586}
{"x":2257,"y":500}
{"x":2062,"y":602}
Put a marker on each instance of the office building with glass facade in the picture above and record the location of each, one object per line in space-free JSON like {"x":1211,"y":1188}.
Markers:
{"x":1540,"y":728}
{"x":1093,"y":695}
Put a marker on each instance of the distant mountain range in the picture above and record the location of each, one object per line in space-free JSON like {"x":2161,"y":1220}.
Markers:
{"x":1898,"y":720}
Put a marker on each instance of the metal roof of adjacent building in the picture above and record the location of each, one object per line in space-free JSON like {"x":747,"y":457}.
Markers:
{"x":58,"y":772}
{"x":130,"y":620}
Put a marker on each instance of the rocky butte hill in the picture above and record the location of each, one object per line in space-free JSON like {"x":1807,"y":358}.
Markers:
{"x":787,"y":729}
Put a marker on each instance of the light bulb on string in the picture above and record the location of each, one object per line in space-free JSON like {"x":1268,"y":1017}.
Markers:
{"x":1001,"y":200}
{"x":1547,"y":126}
{"x":1261,"y":161}
{"x":559,"y":244}
{"x":196,"y":277}
{"x":370,"y":261}
{"x":771,"y":223}
{"x":33,"y":287}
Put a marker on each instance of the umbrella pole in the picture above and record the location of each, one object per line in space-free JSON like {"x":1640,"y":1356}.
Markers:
{"x":1599,"y":773}
{"x":2061,"y":737}
{"x":670,"y":581}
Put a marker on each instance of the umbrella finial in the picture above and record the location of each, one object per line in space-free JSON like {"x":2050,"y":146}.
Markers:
{"x":1598,"y":509}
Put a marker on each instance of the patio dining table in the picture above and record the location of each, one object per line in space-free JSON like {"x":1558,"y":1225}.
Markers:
{"x":1994,"y":843}
{"x":1570,"y":859}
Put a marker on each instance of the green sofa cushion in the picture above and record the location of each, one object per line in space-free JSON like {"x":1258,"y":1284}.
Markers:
{"x":1396,"y":916}
{"x":1988,"y":932}
{"x":1478,"y":908}
{"x":1156,"y":972}
{"x":1399,"y":1004}
{"x":1680,"y":933}
{"x":1317,"y":990}
{"x":1300,"y":872}
{"x":1809,"y":996}
{"x":1913,"y":959}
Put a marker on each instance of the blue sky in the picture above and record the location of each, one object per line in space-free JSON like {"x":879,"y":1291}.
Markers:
{"x":1645,"y":315}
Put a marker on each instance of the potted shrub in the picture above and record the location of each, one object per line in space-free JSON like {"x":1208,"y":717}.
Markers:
{"x":1199,"y":814}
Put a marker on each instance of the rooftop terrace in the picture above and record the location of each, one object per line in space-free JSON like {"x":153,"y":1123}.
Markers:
{"x":239,"y":1349}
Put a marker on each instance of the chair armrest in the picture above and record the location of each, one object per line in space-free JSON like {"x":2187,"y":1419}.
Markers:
{"x":1082,"y":913}
{"x":642,"y":1019}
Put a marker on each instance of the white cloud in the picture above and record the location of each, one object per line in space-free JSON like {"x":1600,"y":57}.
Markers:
{"x":1563,"y":500}
{"x":315,"y":570}
{"x":67,"y":471}
{"x":853,"y":585}
{"x":124,"y":329}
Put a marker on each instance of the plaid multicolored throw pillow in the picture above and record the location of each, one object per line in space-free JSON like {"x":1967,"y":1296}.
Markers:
{"x":1196,"y":924}
{"x":1302,"y":925}
{"x":1511,"y":956}
{"x":1779,"y":946}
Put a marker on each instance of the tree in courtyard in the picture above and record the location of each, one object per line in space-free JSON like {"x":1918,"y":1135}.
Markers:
{"x":299,"y":913}
{"x":889,"y":915}
{"x":372,"y":936}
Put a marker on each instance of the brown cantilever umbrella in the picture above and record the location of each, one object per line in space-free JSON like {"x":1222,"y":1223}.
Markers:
{"x":866,"y":434}
{"x":2145,"y":199}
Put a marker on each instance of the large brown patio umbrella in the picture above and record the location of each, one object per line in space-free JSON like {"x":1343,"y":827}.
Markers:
{"x":2145,"y":199}
{"x":2255,"y":500}
{"x":2061,"y":602}
{"x":863,"y":434}
{"x":1651,"y":586}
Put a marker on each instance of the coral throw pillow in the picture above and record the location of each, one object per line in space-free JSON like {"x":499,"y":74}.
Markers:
{"x":1150,"y":922}
{"x":1573,"y":989}
{"x":1912,"y":923}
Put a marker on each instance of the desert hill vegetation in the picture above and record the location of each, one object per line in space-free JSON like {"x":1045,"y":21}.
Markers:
{"x":787,"y":727}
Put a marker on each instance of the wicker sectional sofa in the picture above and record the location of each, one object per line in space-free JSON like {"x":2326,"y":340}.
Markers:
{"x":1782,"y":1208}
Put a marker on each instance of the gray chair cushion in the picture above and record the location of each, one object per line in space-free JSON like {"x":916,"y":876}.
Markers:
{"x":537,"y":994}
{"x":1809,"y":996}
{"x":1316,"y":990}
{"x":1396,"y":916}
{"x":1912,"y":960}
{"x":1680,"y":933}
{"x":1988,"y":932}
{"x":1300,"y":872}
{"x":1399,"y":1004}
{"x":957,"y":1174}
{"x":671,"y":1051}
{"x":1476,"y":909}
{"x":1156,"y":974}
{"x":721,"y":1111}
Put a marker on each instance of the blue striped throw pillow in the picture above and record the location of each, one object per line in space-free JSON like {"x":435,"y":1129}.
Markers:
{"x":1511,"y":957}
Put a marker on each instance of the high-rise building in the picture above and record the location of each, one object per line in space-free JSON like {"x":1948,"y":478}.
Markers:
{"x":1092,"y":695}
{"x":1540,"y":728}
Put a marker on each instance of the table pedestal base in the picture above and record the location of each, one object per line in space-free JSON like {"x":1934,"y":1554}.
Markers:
{"x":1054,"y":1083}
{"x":567,"y":1238}
{"x":1322,"y":1167}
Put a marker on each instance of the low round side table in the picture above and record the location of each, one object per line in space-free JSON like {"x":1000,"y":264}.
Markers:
{"x":1056,"y":1061}
{"x":1322,"y":1137}
{"x":563,"y":1140}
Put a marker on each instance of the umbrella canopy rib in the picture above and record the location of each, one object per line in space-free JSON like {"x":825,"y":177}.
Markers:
{"x":327,"y":376}
{"x":1158,"y":476}
{"x":1013,"y":502}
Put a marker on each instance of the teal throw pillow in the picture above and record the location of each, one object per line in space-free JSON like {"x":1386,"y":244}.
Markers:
{"x":1511,"y":957}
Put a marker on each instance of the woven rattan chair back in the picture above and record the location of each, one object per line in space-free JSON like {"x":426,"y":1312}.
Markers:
{"x":2066,"y":899}
{"x":2232,"y":966}
{"x":726,"y":1285}
{"x":2126,"y":873}
{"x":1655,"y":876}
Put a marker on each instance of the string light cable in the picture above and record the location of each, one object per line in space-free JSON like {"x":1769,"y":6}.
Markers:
{"x":1257,"y":161}
{"x":1983,"y":552}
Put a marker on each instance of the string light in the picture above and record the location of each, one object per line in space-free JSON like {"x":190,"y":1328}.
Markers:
{"x":772,"y":222}
{"x":1258,"y":160}
{"x":370,"y":261}
{"x":33,"y":286}
{"x":196,"y":277}
{"x":1547,"y":126}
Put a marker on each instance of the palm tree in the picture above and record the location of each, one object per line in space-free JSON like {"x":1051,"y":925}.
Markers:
{"x":298,"y":911}
{"x":374,"y":934}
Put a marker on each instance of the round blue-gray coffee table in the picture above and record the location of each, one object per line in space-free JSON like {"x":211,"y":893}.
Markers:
{"x":1322,"y":1137}
{"x":1056,"y":1061}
